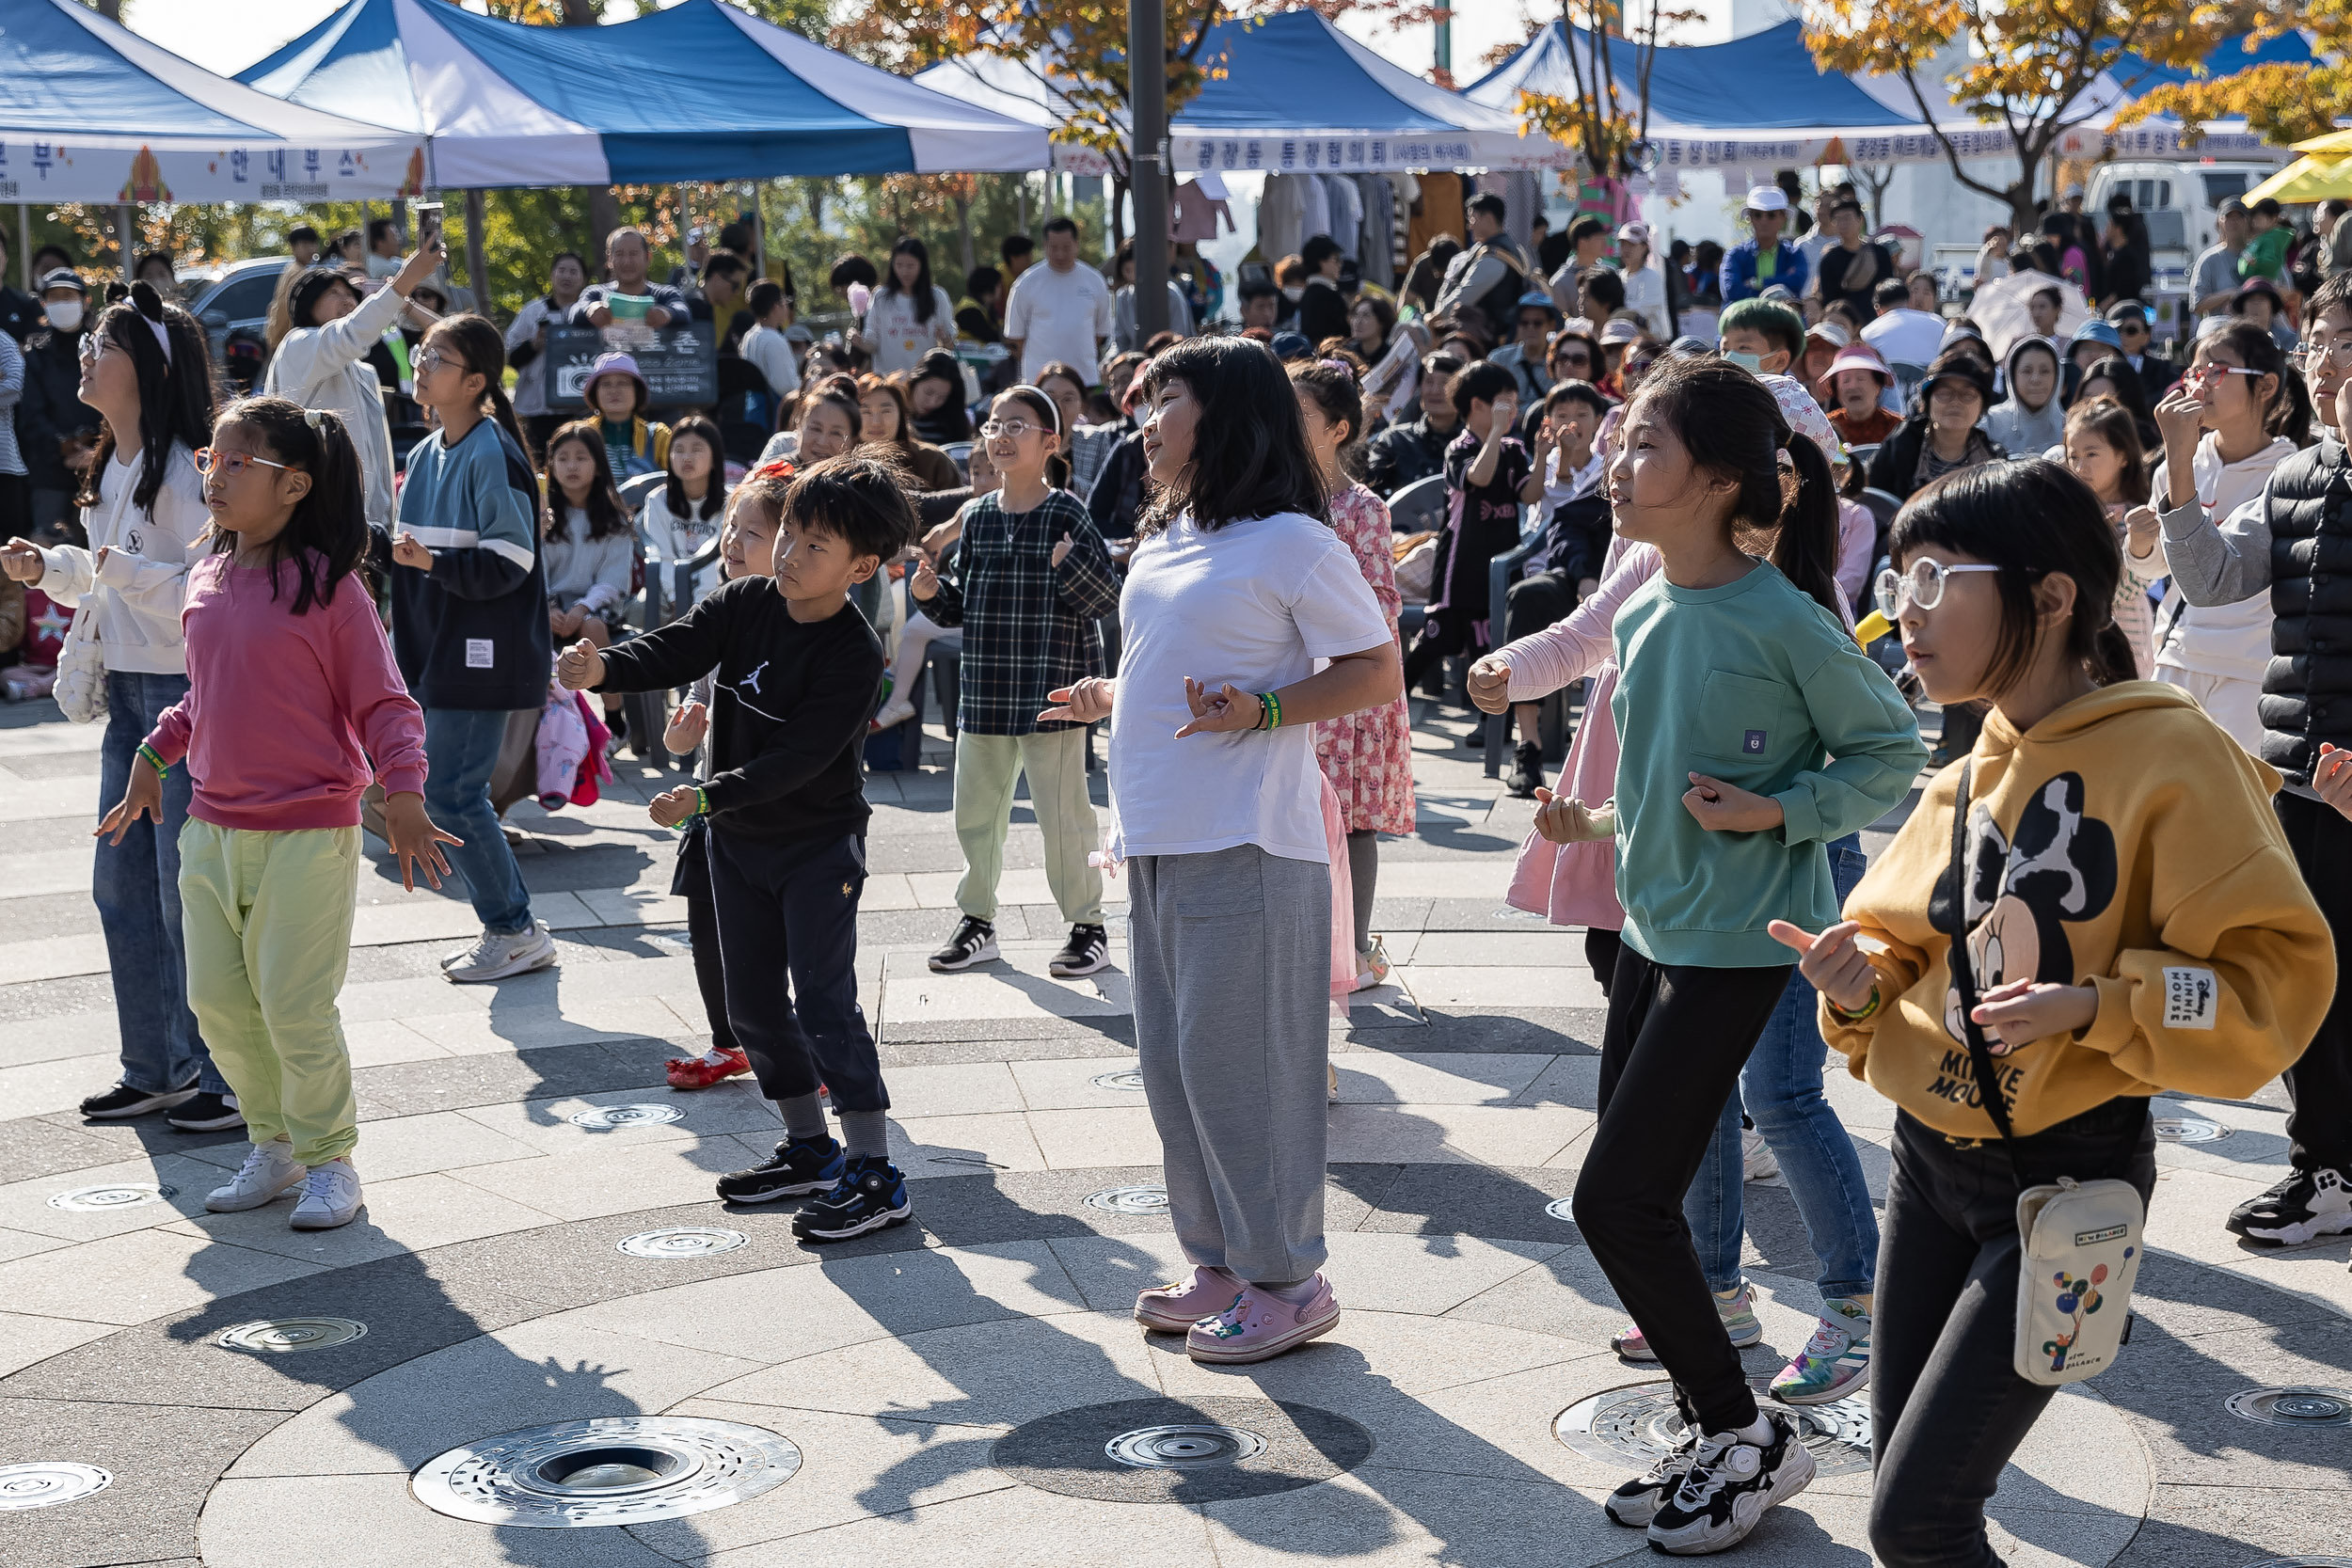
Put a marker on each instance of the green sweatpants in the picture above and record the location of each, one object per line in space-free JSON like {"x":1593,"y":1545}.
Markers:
{"x":268,"y":923}
{"x":1055,"y":764}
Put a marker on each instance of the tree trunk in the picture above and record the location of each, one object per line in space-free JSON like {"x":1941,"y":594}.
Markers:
{"x":477,"y":272}
{"x":110,"y":9}
{"x":963,"y":232}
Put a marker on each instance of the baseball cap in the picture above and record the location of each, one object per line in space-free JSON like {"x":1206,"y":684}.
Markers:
{"x":63,"y":277}
{"x":1636,"y":233}
{"x":1767,"y":198}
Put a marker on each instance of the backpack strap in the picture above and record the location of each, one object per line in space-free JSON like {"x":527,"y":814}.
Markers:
{"x":1964,"y":979}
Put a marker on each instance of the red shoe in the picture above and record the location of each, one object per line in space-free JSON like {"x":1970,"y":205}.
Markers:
{"x":700,"y":1072}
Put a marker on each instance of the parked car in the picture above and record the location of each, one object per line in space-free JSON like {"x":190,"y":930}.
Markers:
{"x":234,"y":297}
{"x":2181,"y":204}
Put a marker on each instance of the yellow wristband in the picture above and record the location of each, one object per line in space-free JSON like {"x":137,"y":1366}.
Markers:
{"x":1844,"y":1017}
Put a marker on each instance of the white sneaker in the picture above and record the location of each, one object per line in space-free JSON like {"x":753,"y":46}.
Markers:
{"x":1757,"y":1162}
{"x":895,"y":712}
{"x":268,"y":1170}
{"x":331,"y":1197}
{"x":499,"y":954}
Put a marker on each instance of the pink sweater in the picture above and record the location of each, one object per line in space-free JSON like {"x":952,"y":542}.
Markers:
{"x":284,"y":710}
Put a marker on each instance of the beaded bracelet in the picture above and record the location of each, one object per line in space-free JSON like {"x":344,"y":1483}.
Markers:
{"x":155,"y":759}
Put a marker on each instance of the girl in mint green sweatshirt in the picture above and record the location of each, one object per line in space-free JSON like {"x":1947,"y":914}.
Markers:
{"x":1741,"y":686}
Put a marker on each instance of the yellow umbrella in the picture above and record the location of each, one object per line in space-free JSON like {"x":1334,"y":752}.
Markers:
{"x":2307,"y":180}
{"x":2334,"y":141}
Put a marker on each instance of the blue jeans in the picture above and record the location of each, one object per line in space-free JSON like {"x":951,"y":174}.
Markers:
{"x":461,"y":752}
{"x":136,"y":886}
{"x":1781,"y":1087}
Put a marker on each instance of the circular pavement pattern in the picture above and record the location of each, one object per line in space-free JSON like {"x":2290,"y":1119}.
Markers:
{"x":611,"y":1470}
{"x":118,"y":1194}
{"x":682,"y":1241}
{"x":46,"y":1484}
{"x":1634,"y":1425}
{"x":1130,"y":1200}
{"x":284,"y":1335}
{"x":2294,"y":1408}
{"x":606,"y":1118}
{"x":1204,"y":1450}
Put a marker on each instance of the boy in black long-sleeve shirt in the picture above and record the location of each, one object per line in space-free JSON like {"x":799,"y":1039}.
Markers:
{"x":798,"y":672}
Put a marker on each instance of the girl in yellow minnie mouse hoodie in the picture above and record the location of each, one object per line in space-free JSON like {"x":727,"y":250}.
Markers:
{"x":2135,"y":922}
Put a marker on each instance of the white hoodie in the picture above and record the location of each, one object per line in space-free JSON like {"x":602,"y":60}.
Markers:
{"x":136,"y":594}
{"x":2230,"y":642}
{"x":327,"y":368}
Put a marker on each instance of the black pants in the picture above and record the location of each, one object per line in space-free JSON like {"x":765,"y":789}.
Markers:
{"x":1676,"y":1038}
{"x":1534,"y":602}
{"x":789,"y":911}
{"x":1947,"y":1408}
{"x":1601,"y":948}
{"x":691,"y":883}
{"x":2319,"y":1132}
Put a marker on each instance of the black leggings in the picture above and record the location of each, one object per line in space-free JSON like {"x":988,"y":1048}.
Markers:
{"x":692,"y":881}
{"x":1363,"y":876}
{"x":1677,"y":1037}
{"x":1947,"y":1408}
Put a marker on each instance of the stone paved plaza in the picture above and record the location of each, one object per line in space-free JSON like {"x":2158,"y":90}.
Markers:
{"x":941,"y":1381}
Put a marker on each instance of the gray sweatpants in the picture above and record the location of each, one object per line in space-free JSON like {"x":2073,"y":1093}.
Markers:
{"x":1231,"y":954}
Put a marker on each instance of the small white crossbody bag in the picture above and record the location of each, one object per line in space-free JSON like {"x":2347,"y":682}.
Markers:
{"x":2081,"y":1241}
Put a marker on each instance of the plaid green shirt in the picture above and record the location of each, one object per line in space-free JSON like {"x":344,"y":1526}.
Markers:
{"x":1028,"y":625}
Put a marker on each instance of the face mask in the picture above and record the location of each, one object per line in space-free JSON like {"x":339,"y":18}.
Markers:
{"x":65,"y":315}
{"x":1752,"y":363}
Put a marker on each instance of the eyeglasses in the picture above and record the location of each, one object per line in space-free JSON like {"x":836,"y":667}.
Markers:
{"x":94,"y":344}
{"x":1009,"y":429}
{"x":1923,"y":585}
{"x":232,"y":463}
{"x":2338,"y":355}
{"x":430,"y":360}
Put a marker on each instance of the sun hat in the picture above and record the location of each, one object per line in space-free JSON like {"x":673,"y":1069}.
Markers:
{"x":1619,"y":330}
{"x":1537,"y":300}
{"x":1858,"y":356}
{"x":1767,"y":198}
{"x":1288,"y":346}
{"x":2256,"y":285}
{"x":2097,"y":331}
{"x":614,"y":364}
{"x":1963,"y":369}
{"x":1832,"y":333}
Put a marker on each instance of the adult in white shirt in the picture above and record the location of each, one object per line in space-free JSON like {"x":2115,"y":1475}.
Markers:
{"x":910,"y":315}
{"x":383,"y":248}
{"x":1901,"y":335}
{"x":527,"y":339}
{"x":1247,"y":621}
{"x":322,"y":363}
{"x":766,"y":345}
{"x":146,"y":369}
{"x":1060,"y":310}
{"x":1645,"y":284}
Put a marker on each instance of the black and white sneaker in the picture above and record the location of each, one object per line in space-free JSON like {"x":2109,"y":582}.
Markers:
{"x":1637,"y":1503}
{"x":123,"y":1101}
{"x":975,"y":942}
{"x":1729,"y":1485}
{"x":207,"y":1113}
{"x":1527,"y":769}
{"x":2309,"y":1204}
{"x":1087,"y":950}
{"x":799,"y":1168}
{"x":870,"y":1196}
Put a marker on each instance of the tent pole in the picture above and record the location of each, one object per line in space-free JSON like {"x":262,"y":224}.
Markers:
{"x":24,"y":245}
{"x":1146,"y":160}
{"x":126,"y":222}
{"x":477,"y":272}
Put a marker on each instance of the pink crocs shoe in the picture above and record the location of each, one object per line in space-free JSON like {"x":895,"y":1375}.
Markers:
{"x":1177,"y":1306}
{"x":1261,"y":1324}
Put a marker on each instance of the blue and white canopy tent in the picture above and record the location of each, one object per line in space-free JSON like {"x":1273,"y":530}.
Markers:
{"x":91,"y":112}
{"x":1286,"y":93}
{"x":638,"y":103}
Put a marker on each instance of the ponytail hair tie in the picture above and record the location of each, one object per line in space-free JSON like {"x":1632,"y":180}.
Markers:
{"x":314,"y":417}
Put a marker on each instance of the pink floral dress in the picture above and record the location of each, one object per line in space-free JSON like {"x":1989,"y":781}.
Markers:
{"x":1368,"y":756}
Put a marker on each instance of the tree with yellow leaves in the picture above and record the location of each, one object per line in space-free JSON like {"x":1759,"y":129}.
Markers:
{"x":2024,"y":65}
{"x":2285,"y":102}
{"x":1606,"y":117}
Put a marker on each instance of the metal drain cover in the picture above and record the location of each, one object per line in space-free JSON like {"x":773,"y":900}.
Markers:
{"x":1130,"y":1079}
{"x":1130,"y":1200}
{"x":1633,"y":1426}
{"x":117,"y":1195}
{"x":1164,"y":1451}
{"x":282,"y":1336}
{"x":2189,"y":1129}
{"x":1183,"y":1447}
{"x":682,"y":1241}
{"x":607,"y":1119}
{"x":2294,"y":1408}
{"x":46,"y":1484}
{"x":610,"y":1470}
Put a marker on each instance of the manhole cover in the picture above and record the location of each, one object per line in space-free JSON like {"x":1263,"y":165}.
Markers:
{"x":611,"y":1470}
{"x":2294,"y":1408}
{"x":1633,"y":1426}
{"x":279,"y":1335}
{"x":2189,"y":1129}
{"x":1183,"y":1447}
{"x":2302,"y":1562}
{"x":1130,"y":1080}
{"x":605,"y":1119}
{"x":1130,"y":1200}
{"x":682,"y":1241}
{"x":118,"y":1195}
{"x":46,"y":1484}
{"x":1204,"y":1450}
{"x":1563,"y":1210}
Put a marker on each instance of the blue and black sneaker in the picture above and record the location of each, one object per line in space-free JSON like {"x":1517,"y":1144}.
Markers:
{"x":872,"y":1195}
{"x":801,"y":1166}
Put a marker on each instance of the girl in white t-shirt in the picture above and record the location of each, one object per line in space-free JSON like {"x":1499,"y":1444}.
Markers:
{"x":910,"y":315}
{"x":1246,"y":622}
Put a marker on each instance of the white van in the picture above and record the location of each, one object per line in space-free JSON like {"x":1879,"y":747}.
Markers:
{"x":2179,"y":203}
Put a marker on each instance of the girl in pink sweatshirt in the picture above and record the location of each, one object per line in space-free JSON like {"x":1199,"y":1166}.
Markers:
{"x":292,"y":691}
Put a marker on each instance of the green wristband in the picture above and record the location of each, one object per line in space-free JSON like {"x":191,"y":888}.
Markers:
{"x":1274,"y":703}
{"x":701,"y":802}
{"x":155,"y":759}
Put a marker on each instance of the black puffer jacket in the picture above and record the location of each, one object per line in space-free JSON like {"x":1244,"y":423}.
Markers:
{"x":2307,"y":691}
